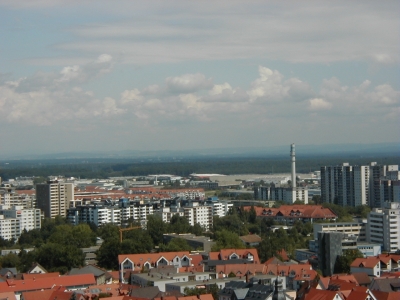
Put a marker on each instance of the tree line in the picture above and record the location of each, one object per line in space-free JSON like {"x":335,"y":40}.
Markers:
{"x":109,"y":168}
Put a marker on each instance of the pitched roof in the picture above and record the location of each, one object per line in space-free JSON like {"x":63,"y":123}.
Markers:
{"x":384,"y":284}
{"x":47,"y":295}
{"x":362,"y":278}
{"x":250,"y":238}
{"x":152,"y":258}
{"x":46,"y":283}
{"x":89,"y":269}
{"x":149,"y":292}
{"x":368,"y":262}
{"x":295,"y":211}
{"x":8,"y":296}
{"x":40,"y":275}
{"x":386,"y":295}
{"x":224,"y":254}
{"x":315,"y":294}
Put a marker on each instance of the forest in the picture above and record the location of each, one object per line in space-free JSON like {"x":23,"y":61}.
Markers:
{"x":112,"y":168}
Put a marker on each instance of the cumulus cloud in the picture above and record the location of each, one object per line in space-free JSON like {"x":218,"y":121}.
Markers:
{"x":319,"y":104}
{"x":188,"y":98}
{"x":188,"y":83}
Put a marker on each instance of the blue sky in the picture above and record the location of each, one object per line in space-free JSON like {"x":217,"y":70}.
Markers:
{"x":155,"y":75}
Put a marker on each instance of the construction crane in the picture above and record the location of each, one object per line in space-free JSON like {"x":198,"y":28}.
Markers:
{"x":126,"y":229}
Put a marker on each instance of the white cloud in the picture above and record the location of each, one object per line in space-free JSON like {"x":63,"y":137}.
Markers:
{"x":319,"y":104}
{"x":308,"y":32}
{"x":188,"y":83}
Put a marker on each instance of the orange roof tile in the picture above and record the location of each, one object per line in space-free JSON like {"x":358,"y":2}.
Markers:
{"x":39,"y":275}
{"x":46,"y":283}
{"x":369,"y":262}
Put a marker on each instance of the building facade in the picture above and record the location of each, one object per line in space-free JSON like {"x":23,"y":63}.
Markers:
{"x":53,"y":198}
{"x":384,"y":227}
{"x":14,"y":220}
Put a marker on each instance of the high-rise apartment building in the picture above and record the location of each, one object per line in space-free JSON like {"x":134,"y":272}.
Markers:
{"x":13,"y":220}
{"x":347,"y":185}
{"x":53,"y":198}
{"x":383,"y":227}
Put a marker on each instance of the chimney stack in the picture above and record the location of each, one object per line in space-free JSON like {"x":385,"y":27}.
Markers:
{"x":293,"y":159}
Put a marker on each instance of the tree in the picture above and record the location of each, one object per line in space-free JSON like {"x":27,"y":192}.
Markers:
{"x":83,"y":236}
{"x":136,"y":241}
{"x":26,"y":259}
{"x":107,"y":255}
{"x":197,"y":229}
{"x":316,"y":199}
{"x":108,"y":232}
{"x":227,"y":240}
{"x":179,"y":224}
{"x":155,"y":228}
{"x":177,"y":244}
{"x":252,"y":215}
{"x":30,"y":238}
{"x":343,"y":262}
{"x":10,"y":260}
{"x":55,"y":257}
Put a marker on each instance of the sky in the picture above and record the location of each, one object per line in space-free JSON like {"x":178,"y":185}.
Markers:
{"x":96,"y":75}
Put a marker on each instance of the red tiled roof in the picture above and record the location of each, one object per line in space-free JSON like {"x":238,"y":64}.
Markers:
{"x":152,"y":258}
{"x":39,"y":275}
{"x":46,"y":283}
{"x":201,"y":297}
{"x":369,"y":262}
{"x":315,"y":294}
{"x":8,"y":296}
{"x":224,"y":254}
{"x":295,"y":211}
{"x":386,"y":295}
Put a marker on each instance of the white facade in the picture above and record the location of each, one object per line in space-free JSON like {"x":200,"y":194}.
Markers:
{"x":99,"y":215}
{"x":384,"y":227}
{"x":356,"y":229}
{"x":53,"y":198}
{"x":15,"y":219}
{"x":220,"y":208}
{"x":289,"y":195}
{"x":361,"y":185}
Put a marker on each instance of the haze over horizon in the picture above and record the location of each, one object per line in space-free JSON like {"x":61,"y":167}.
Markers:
{"x":86,"y":76}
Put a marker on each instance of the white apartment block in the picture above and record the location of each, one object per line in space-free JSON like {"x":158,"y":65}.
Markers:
{"x":194,"y":213}
{"x":289,"y":195}
{"x":220,"y":208}
{"x":13,"y":220}
{"x":384,"y":227}
{"x":136,"y":212}
{"x":361,"y":185}
{"x":350,"y":229}
{"x":199,"y":214}
{"x":11,"y":197}
{"x":53,"y":198}
{"x":98,"y":215}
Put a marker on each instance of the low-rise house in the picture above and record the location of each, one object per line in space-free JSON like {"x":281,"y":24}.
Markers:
{"x":369,"y":265}
{"x":36,"y":268}
{"x":250,"y":240}
{"x":271,"y":289}
{"x":385,"y":284}
{"x":314,"y":294}
{"x":250,"y":255}
{"x":70,"y":282}
{"x":296,"y":274}
{"x":160,"y":277}
{"x":101,"y":276}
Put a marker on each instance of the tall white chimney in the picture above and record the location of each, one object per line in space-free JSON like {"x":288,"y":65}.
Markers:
{"x":292,"y":155}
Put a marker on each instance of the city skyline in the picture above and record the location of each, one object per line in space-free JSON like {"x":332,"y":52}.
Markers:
{"x":155,"y":75}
